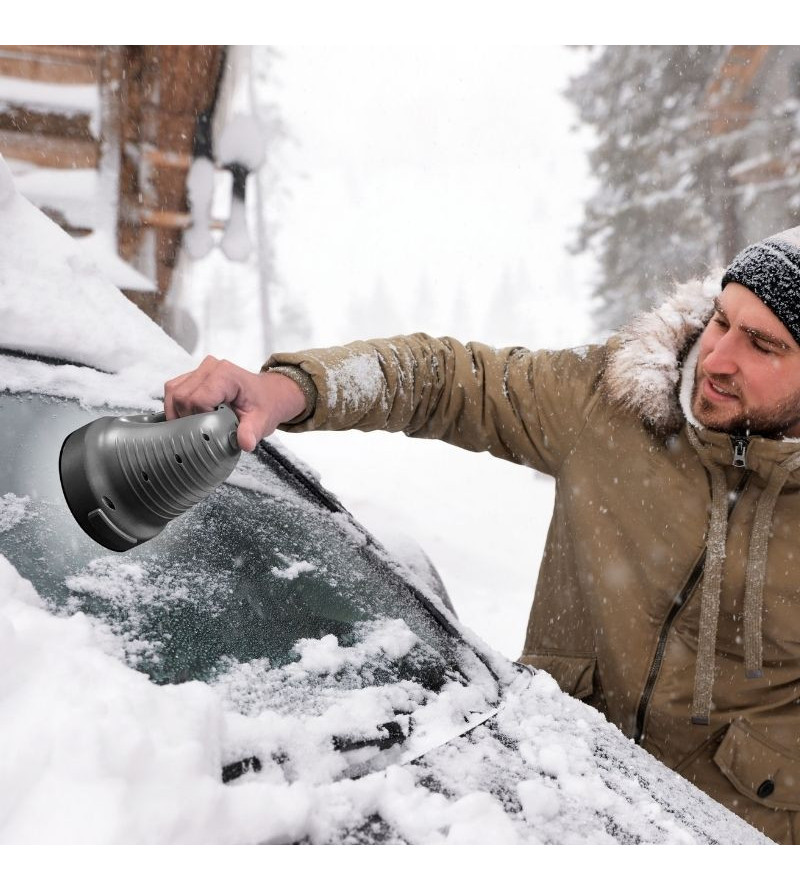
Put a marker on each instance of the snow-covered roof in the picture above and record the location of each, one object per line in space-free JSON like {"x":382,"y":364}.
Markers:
{"x":57,"y":300}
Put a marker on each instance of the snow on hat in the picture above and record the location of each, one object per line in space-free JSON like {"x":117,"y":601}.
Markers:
{"x":771,"y":270}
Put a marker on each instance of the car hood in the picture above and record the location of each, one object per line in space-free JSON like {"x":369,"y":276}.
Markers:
{"x":542,"y":768}
{"x":549,"y":769}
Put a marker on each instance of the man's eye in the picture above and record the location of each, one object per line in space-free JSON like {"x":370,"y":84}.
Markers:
{"x":718,"y":319}
{"x":759,"y":347}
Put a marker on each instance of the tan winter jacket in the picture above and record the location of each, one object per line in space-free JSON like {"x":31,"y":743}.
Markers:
{"x":643,"y":567}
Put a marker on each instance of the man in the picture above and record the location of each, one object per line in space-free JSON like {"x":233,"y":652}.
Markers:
{"x":669,"y":591}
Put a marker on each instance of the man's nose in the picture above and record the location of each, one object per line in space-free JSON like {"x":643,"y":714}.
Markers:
{"x":722,"y":359}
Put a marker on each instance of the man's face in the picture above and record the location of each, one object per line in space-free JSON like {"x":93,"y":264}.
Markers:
{"x":748,"y":372}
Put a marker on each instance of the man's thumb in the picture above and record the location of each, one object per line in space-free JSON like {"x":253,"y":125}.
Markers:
{"x":246,"y":436}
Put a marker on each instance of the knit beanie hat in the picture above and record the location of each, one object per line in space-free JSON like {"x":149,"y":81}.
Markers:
{"x":771,"y":270}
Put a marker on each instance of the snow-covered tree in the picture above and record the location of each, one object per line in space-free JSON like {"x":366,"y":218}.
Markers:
{"x":654,"y":217}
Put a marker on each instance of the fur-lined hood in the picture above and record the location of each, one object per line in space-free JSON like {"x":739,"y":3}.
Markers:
{"x":645,"y":359}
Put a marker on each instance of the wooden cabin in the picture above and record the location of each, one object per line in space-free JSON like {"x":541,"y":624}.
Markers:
{"x":101,"y":138}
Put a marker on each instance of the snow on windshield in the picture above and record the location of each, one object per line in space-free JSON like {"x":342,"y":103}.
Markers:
{"x":129,"y":591}
{"x":101,"y":754}
{"x":12,"y":510}
{"x":80,"y":723}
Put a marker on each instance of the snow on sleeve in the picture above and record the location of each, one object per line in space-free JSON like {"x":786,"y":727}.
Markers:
{"x":356,"y":381}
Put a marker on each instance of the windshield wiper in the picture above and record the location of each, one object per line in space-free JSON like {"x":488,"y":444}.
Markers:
{"x":394,"y":736}
{"x":48,"y":359}
{"x":239,"y":768}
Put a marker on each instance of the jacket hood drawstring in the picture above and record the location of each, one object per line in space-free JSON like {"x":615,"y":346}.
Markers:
{"x":713,"y":569}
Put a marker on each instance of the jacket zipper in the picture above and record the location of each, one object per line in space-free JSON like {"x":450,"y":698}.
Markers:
{"x":739,"y":453}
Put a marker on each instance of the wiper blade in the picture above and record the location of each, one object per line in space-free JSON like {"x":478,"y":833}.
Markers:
{"x":48,"y":359}
{"x":394,"y":736}
{"x":431,"y":741}
{"x":236,"y":770}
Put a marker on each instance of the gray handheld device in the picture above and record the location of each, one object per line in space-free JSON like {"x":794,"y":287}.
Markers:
{"x":125,"y":478}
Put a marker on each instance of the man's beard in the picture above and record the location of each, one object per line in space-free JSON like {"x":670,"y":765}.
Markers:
{"x":770,"y":422}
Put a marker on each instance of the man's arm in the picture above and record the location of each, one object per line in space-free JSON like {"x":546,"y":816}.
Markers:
{"x":526,"y":407}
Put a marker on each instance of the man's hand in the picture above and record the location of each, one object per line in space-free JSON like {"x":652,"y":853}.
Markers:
{"x":261,"y":401}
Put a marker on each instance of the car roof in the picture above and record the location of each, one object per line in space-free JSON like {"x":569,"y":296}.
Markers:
{"x":56,"y":303}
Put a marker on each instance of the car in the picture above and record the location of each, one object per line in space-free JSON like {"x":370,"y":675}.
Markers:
{"x":264,"y":670}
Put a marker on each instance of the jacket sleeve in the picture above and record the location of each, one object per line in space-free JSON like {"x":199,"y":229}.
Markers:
{"x":526,"y":407}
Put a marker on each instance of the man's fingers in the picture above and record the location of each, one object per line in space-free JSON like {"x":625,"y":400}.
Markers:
{"x":169,"y":388}
{"x":177,"y":392}
{"x":200,"y":390}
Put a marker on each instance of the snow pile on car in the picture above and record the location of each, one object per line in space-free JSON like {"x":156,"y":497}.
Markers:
{"x":92,"y":751}
{"x":56,"y":302}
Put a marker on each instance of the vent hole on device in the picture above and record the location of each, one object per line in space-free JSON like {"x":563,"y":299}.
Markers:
{"x":145,"y":476}
{"x":179,"y":458}
{"x":206,"y":437}
{"x":109,"y":503}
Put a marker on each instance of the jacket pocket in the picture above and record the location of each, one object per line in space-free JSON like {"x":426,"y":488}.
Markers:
{"x":573,"y":673}
{"x":759,"y":768}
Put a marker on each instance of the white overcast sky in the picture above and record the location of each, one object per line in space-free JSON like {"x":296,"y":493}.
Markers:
{"x":439,"y":170}
{"x":421,"y":179}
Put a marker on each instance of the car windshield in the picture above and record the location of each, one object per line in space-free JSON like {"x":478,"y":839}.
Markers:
{"x":262,"y":573}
